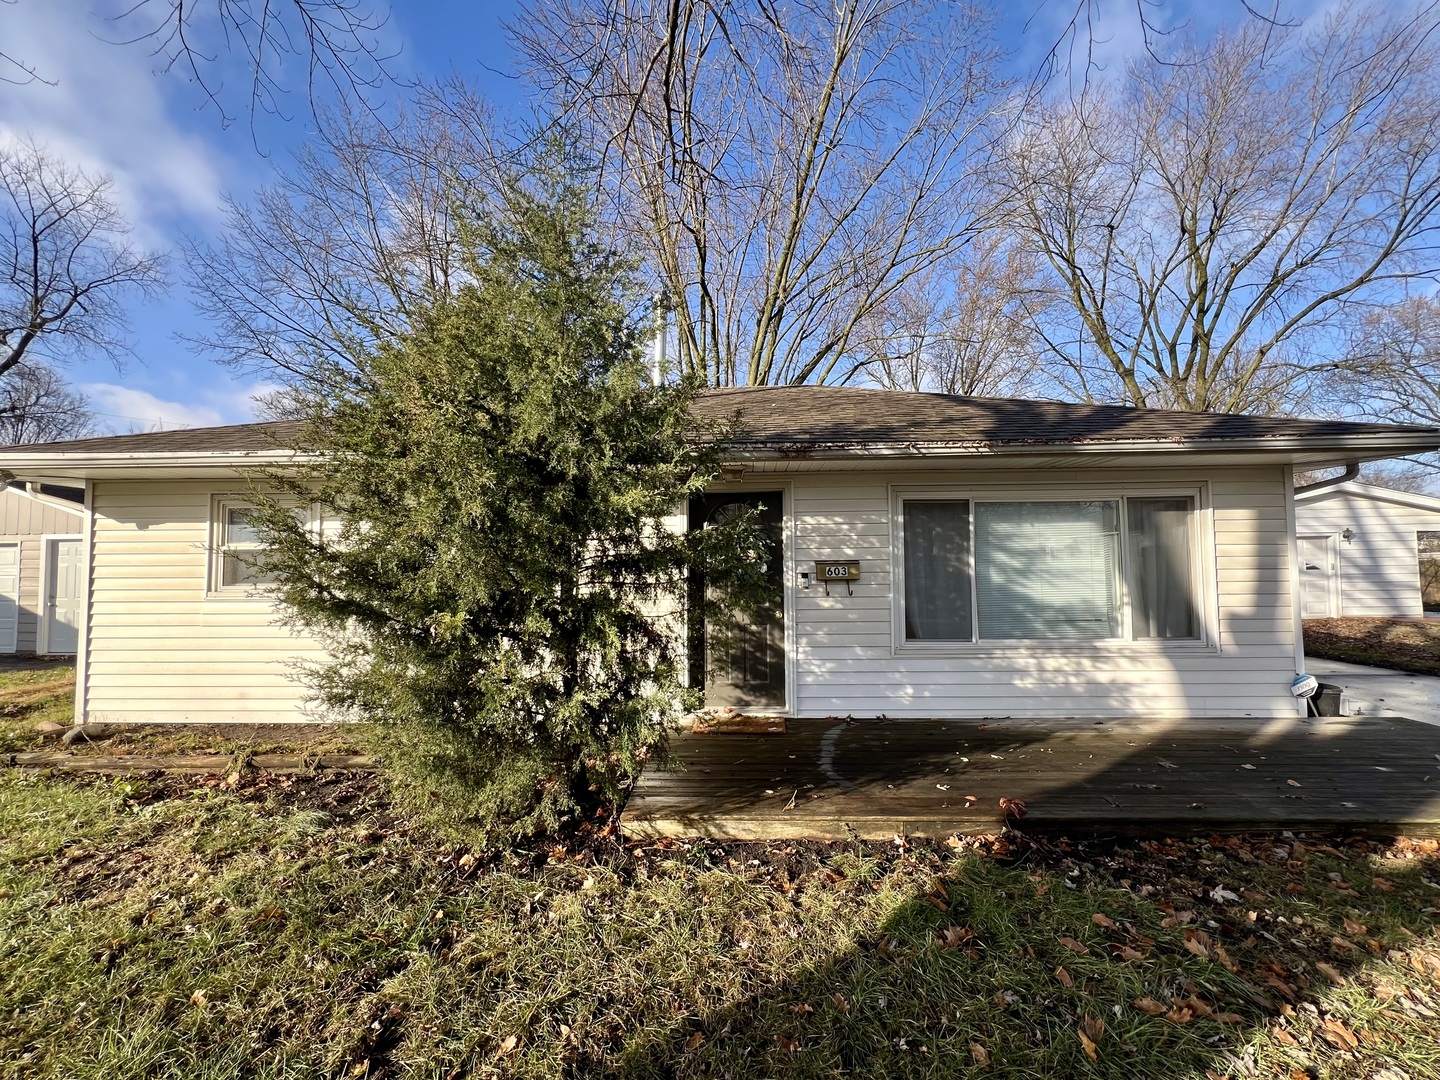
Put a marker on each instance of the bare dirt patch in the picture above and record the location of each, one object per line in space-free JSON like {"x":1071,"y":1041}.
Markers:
{"x":1398,"y":644}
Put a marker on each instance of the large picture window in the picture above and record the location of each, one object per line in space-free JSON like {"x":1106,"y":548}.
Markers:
{"x":1057,"y":569}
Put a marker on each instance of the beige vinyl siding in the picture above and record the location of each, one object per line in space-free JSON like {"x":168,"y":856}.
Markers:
{"x":26,"y":520}
{"x":1379,"y":566}
{"x":847,"y":661}
{"x":160,"y":648}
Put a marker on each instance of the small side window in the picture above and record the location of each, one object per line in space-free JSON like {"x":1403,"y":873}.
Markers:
{"x":242,"y":558}
{"x":239,"y":556}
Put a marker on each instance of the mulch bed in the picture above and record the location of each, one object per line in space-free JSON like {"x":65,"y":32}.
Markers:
{"x":1400,"y":644}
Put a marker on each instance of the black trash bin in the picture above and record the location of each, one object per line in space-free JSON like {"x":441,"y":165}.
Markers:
{"x":1326,"y":701}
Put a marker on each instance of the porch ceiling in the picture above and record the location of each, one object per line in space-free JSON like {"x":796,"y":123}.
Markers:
{"x":834,"y":778}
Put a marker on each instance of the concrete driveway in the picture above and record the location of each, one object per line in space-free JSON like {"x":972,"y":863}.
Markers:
{"x":1371,"y":691}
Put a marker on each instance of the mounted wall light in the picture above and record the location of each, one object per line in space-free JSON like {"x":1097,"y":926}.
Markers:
{"x":1348,"y":535}
{"x":732,"y":474}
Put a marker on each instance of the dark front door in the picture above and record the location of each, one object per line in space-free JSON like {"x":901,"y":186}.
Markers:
{"x":741,"y":661}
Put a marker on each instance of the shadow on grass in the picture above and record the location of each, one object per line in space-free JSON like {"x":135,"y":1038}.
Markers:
{"x":1330,"y":970}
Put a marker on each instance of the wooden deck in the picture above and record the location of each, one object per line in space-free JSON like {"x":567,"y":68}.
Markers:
{"x":833,"y":779}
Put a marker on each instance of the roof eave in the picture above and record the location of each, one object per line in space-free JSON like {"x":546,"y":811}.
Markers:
{"x":1414,"y":500}
{"x":60,"y":466}
{"x":64,"y":466}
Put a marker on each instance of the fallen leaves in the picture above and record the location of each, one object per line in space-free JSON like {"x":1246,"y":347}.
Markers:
{"x":1065,"y":978}
{"x":952,"y":937}
{"x":1090,"y":1031}
{"x":1336,"y":979}
{"x":1199,"y":943}
{"x":1073,"y":945}
{"x":1104,"y":920}
{"x":1337,"y":1034}
{"x":1013,"y":808}
{"x":1149,"y":1006}
{"x":1180,"y":1015}
{"x":979,"y":1054}
{"x":1218,"y":953}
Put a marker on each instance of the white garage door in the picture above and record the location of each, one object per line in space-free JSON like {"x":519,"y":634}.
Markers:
{"x":9,"y":596}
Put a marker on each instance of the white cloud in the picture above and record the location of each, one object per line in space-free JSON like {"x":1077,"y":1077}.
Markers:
{"x":107,"y":112}
{"x":126,"y":408}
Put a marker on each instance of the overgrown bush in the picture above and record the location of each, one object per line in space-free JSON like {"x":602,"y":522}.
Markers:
{"x":491,"y":570}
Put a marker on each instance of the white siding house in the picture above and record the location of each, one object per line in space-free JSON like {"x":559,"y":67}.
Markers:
{"x":1360,"y":550}
{"x":937,"y":557}
{"x":167,"y":640}
{"x":851,"y":656}
{"x":40,"y":557}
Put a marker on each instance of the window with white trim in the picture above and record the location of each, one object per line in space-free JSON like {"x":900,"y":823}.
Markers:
{"x":1083,"y":569}
{"x":238,"y":556}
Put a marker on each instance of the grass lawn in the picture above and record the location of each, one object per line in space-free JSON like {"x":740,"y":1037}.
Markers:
{"x":35,"y":691}
{"x":31,"y":693}
{"x":280,"y":927}
{"x":1400,"y":644}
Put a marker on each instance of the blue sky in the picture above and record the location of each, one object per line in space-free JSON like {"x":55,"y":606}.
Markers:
{"x":109,"y":107}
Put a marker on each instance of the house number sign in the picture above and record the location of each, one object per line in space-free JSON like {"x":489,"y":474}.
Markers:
{"x":827,"y":572}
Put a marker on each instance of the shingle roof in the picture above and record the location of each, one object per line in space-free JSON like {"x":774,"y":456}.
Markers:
{"x":835,"y":415}
{"x":795,"y":417}
{"x":230,"y":438}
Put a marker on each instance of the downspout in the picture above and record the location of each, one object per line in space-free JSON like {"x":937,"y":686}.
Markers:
{"x":1352,"y":470}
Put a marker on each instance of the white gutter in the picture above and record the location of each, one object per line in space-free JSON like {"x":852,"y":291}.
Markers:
{"x":1383,"y":494}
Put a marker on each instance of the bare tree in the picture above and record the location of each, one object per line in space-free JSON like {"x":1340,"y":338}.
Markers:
{"x":334,"y":43}
{"x":964,"y":327}
{"x":1391,"y":368}
{"x":67,"y":268}
{"x":1209,"y":226}
{"x":783,"y":169}
{"x":339,"y":250}
{"x":37,"y":405}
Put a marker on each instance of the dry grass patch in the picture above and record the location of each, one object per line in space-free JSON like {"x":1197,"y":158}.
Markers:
{"x":36,"y":692}
{"x":33,"y":692}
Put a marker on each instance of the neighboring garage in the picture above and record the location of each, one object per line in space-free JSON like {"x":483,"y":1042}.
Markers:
{"x":41,"y":570}
{"x":1363,"y":550}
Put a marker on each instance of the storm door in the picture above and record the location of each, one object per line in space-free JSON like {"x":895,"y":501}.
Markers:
{"x":741,"y":661}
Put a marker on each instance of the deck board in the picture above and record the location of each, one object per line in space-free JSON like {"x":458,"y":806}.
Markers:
{"x":873,"y":778}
